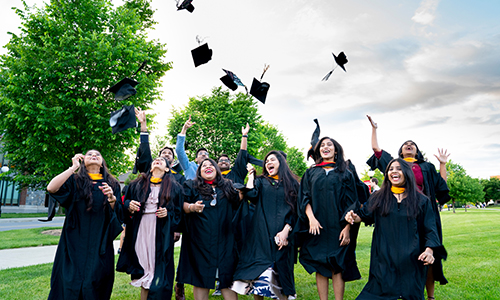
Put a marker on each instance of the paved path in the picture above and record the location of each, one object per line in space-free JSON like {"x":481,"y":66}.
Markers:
{"x":22,"y":257}
{"x":24,"y":223}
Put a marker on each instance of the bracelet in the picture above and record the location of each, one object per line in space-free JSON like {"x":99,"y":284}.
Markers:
{"x":189,"y":207}
{"x":245,"y":135}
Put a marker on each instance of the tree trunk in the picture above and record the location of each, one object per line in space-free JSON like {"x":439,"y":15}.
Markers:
{"x":453,"y":204}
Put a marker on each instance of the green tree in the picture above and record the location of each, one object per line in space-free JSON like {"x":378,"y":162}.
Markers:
{"x":54,"y":81}
{"x":379,"y":175}
{"x":463,"y":188}
{"x":219,"y":118}
{"x":491,"y":188}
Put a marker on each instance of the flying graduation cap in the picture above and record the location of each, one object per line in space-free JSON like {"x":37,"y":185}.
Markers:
{"x":232,"y":81}
{"x":125,"y":87}
{"x":314,"y":141}
{"x":259,"y":89}
{"x":123,"y":119}
{"x":202,"y":54}
{"x":185,"y":4}
{"x":340,"y":61}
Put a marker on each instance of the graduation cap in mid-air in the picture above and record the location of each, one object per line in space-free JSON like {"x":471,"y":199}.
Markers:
{"x":340,"y":61}
{"x":125,"y":87}
{"x":123,"y":119}
{"x":314,"y":141}
{"x":232,"y":81}
{"x":185,"y":4}
{"x":259,"y":89}
{"x":202,"y":54}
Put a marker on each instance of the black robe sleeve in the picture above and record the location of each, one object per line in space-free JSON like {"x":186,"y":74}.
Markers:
{"x":379,"y":163}
{"x":143,"y":158}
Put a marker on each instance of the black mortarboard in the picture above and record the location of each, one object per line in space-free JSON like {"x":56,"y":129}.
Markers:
{"x":228,"y":81}
{"x":231,"y":80}
{"x":123,"y":119}
{"x":314,"y":141}
{"x":259,"y":89}
{"x":240,"y":186}
{"x":340,"y":60}
{"x":185,"y":4}
{"x":201,"y":55}
{"x":124,"y":89}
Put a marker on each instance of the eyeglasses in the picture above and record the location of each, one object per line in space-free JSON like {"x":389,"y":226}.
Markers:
{"x":224,"y":160}
{"x":214,"y":198}
{"x":203,"y":153}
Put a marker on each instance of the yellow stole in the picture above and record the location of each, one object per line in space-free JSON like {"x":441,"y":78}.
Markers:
{"x":275,"y":177}
{"x":397,"y":190}
{"x":95,"y":176}
{"x":155,"y":180}
{"x":225,"y":172}
{"x":410,"y":159}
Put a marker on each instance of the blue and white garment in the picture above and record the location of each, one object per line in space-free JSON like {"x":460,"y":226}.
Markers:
{"x":266,"y":285}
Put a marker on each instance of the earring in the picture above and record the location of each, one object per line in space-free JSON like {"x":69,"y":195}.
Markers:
{"x":335,"y":157}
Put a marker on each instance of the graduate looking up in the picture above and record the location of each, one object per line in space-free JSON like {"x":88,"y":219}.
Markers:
{"x":189,"y":167}
{"x":144,"y":158}
{"x":428,"y":181}
{"x":405,"y":240}
{"x":152,"y":211}
{"x":84,"y":262}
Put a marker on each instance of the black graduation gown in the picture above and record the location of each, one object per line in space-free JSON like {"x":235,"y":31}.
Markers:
{"x":84,"y":262}
{"x":397,"y":242}
{"x":162,"y":284}
{"x":330,"y":195}
{"x":208,"y":242}
{"x":351,"y":271}
{"x":260,"y":251}
{"x":239,"y":170}
{"x":435,"y":188}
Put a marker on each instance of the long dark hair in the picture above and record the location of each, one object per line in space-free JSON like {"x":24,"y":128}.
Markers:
{"x":167,"y":186}
{"x":382,"y":199}
{"x":339,"y":159}
{"x":84,"y":183}
{"x":290,"y":182}
{"x":205,"y":189}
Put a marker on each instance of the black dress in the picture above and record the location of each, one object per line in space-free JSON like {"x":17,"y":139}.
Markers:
{"x":395,"y":270}
{"x":435,"y":188}
{"x":330,"y":196}
{"x":260,"y":251}
{"x":84,"y":263}
{"x":208,"y":244}
{"x":162,"y":284}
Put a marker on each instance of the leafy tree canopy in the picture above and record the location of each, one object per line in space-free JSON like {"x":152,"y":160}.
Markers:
{"x":463,"y":188}
{"x":219,"y":118}
{"x":491,"y":188}
{"x":54,"y":81}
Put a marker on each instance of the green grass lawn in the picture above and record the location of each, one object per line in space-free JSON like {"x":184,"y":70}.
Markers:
{"x":472,"y":269}
{"x":27,"y":238}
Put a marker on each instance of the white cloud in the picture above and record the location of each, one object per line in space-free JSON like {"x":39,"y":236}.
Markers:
{"x":426,"y":13}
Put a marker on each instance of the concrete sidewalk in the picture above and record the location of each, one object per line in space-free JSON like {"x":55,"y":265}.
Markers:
{"x":22,"y":257}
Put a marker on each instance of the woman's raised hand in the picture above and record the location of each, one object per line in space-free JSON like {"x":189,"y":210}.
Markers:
{"x":77,"y":159}
{"x":442,"y":155}
{"x":374,"y":125}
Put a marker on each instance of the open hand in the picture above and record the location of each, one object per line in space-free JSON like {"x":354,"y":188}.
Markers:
{"x":374,"y":125}
{"x":442,"y":156}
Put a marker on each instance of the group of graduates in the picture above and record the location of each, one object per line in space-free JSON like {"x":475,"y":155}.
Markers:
{"x":246,"y":237}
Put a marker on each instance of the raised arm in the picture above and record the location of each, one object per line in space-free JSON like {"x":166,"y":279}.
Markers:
{"x":181,"y":151}
{"x":442,"y":157}
{"x":141,"y":116}
{"x":56,"y":182}
{"x":375,"y":146}
{"x":244,"y":137}
{"x":143,"y":157}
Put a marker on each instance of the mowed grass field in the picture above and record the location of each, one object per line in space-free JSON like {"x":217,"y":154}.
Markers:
{"x":472,"y":239}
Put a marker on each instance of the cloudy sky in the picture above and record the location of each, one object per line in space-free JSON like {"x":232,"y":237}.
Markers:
{"x":427,"y":71}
